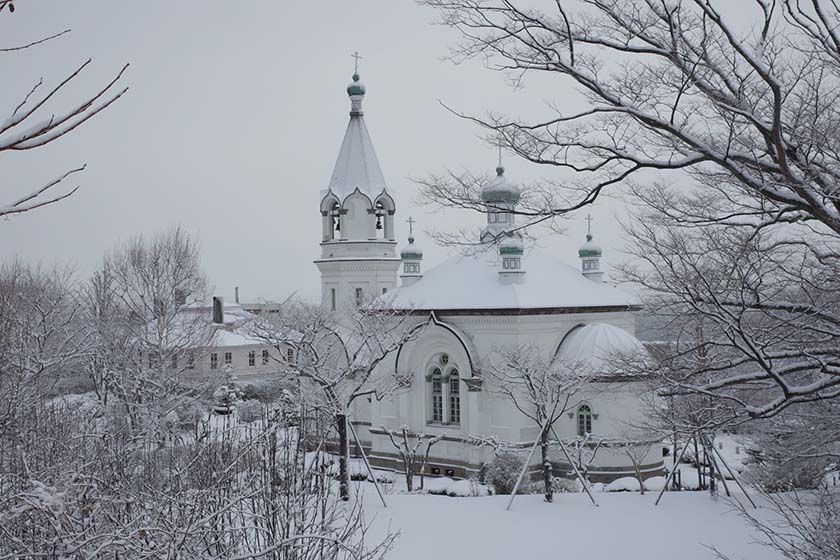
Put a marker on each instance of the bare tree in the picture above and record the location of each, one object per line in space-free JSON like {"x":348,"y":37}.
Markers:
{"x":342,"y":358}
{"x":149,"y":330}
{"x":808,"y":526}
{"x":540,"y":388}
{"x":749,"y":246}
{"x":42,"y":338}
{"x":748,"y":112}
{"x":80,"y":489}
{"x":21,"y":131}
{"x":413,"y":456}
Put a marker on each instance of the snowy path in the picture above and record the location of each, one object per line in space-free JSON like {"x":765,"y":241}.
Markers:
{"x":625,"y":526}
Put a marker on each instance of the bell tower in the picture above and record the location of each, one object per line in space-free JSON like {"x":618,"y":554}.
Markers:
{"x":358,"y":247}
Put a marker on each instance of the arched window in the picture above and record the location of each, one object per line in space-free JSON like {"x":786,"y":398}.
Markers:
{"x":584,"y":420}
{"x":454,"y":397}
{"x":437,"y":395}
{"x":444,"y":382}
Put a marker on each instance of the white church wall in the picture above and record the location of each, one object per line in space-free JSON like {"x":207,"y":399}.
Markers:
{"x":485,"y":413}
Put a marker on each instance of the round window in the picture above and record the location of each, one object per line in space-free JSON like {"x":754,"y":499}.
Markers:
{"x":444,"y":359}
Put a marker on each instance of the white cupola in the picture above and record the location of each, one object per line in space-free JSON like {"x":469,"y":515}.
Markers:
{"x":590,"y":256}
{"x":411,"y":257}
{"x":499,"y":197}
{"x":358,"y":245}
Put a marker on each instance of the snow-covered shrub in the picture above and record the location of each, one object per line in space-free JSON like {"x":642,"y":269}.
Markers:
{"x":567,"y":485}
{"x":783,"y":476}
{"x":438,"y":485}
{"x":624,"y":484}
{"x":468,"y":488}
{"x":189,"y":415}
{"x":501,"y":473}
{"x":249,"y":411}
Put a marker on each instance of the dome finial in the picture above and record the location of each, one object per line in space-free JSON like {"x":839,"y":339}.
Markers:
{"x":589,"y":227}
{"x":356,"y":89}
{"x":500,"y":170}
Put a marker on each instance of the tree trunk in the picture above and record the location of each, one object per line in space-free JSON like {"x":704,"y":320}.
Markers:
{"x":639,"y":477}
{"x":409,"y":475}
{"x":343,"y":457}
{"x":546,"y":467}
{"x":699,"y":465}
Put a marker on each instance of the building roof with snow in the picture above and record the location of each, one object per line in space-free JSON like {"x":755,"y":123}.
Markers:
{"x":597,"y":346}
{"x":473,"y":283}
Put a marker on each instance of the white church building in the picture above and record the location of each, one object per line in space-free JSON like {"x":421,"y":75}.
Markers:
{"x":474,"y":305}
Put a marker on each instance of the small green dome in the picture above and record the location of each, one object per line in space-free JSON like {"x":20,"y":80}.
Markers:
{"x":356,"y":87}
{"x":590,"y":248}
{"x":500,"y":189}
{"x":511,"y":245}
{"x":411,"y":251}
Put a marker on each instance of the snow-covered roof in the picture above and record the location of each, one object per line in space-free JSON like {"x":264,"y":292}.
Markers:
{"x":597,"y":346}
{"x":473,"y":282}
{"x":225,"y":338}
{"x":357,"y":166}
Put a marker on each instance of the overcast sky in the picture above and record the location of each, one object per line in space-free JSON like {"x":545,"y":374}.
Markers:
{"x":233,"y":122}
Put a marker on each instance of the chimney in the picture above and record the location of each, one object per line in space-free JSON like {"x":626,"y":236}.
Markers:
{"x":218,"y":310}
{"x":236,"y":294}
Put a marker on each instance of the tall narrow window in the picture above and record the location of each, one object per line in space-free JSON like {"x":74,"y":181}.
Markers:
{"x":214,"y":361}
{"x":332,"y":299}
{"x":190,"y":361}
{"x":265,"y":357}
{"x":174,"y":361}
{"x":252,"y":358}
{"x":228,"y":358}
{"x":584,"y":420}
{"x":290,"y":355}
{"x":358,"y":296}
{"x":437,"y":396}
{"x":454,"y":397}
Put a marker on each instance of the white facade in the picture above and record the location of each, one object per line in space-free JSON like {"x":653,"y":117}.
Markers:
{"x":232,"y":352}
{"x":473,"y":306}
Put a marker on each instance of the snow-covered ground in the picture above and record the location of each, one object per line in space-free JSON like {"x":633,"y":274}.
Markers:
{"x":624,"y":525}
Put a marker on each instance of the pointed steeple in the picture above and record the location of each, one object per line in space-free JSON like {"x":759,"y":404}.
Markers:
{"x":357,"y":166}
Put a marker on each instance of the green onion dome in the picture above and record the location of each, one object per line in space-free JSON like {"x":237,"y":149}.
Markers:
{"x":411,"y":251}
{"x":500,"y":190}
{"x":590,"y":248}
{"x":356,"y":87}
{"x":511,"y":245}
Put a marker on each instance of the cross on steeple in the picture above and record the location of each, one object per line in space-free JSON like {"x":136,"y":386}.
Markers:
{"x":357,"y":57}
{"x":411,"y":222}
{"x":589,"y":224}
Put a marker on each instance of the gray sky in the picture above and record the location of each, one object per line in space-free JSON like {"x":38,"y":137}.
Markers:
{"x":233,"y":122}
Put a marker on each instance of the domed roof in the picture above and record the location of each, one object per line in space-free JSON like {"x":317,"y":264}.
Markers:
{"x":500,"y":189}
{"x":596,"y":346}
{"x":511,"y":245}
{"x":356,"y":87}
{"x":590,"y":248}
{"x":473,"y":283}
{"x":411,"y":251}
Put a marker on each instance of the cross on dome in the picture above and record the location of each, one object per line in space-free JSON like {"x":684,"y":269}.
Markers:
{"x":589,"y":225}
{"x":358,"y":57}
{"x":411,"y":221}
